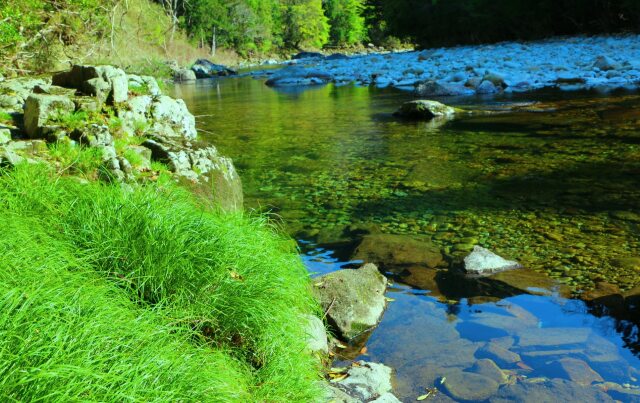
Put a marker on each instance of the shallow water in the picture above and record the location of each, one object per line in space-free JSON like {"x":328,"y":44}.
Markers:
{"x":554,"y":185}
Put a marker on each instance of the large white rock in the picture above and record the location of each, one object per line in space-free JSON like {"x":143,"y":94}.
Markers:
{"x":483,"y":262}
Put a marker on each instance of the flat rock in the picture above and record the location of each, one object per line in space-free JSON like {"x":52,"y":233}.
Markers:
{"x":425,"y":110}
{"x":204,"y":68}
{"x":40,"y":108}
{"x":389,"y":251}
{"x":298,"y":76}
{"x":353,"y":298}
{"x":483,"y":262}
{"x":469,"y":386}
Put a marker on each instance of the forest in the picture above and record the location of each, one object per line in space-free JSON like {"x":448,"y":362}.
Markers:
{"x":262,"y":25}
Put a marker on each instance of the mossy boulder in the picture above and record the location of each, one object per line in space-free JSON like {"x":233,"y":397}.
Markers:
{"x":424,"y":110}
{"x":40,"y":108}
{"x":352,"y":298}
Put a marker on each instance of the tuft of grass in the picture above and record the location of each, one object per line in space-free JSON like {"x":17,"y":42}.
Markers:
{"x":6,"y":118}
{"x":73,"y":159}
{"x":229,"y":282}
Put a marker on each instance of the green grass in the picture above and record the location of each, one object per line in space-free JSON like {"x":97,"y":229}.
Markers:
{"x":128,"y":285}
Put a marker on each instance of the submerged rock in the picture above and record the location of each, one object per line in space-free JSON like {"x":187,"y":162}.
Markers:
{"x":425,"y":109}
{"x":392,"y":251}
{"x":469,"y":386}
{"x":483,"y":262}
{"x":352,"y":298}
{"x":575,"y":370}
{"x":367,"y":382}
{"x":549,"y":391}
{"x":204,"y":68}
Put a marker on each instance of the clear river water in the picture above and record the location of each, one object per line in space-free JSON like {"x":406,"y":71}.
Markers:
{"x":550,"y":179}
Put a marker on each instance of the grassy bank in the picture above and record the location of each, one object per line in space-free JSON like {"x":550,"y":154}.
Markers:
{"x":140,"y":294}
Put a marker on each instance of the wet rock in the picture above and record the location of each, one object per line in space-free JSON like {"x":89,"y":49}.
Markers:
{"x":333,"y":394}
{"x":203,"y":68}
{"x":353,"y":299}
{"x":435,"y":89}
{"x":483,"y":262}
{"x":619,"y":392}
{"x":298,"y":76}
{"x":606,"y":295}
{"x":499,"y":354}
{"x":367,"y":382}
{"x":549,"y":391}
{"x":487,"y":87}
{"x":424,"y":110}
{"x":603,"y":63}
{"x":469,"y":386}
{"x":307,"y":55}
{"x":553,"y":337}
{"x":107,"y":83}
{"x":183,"y":75}
{"x":40,"y":108}
{"x":488,"y":369}
{"x":389,"y":251}
{"x":316,"y":335}
{"x":575,"y":370}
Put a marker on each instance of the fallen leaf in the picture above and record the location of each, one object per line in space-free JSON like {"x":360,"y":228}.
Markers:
{"x":320,"y":284}
{"x":340,"y":345}
{"x":339,"y":370}
{"x":444,"y":378}
{"x":363,"y":350}
{"x":423,"y":397}
{"x":389,"y":299}
{"x":339,"y":378}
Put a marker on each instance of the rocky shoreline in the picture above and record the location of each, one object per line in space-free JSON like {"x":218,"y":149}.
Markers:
{"x":575,"y":63}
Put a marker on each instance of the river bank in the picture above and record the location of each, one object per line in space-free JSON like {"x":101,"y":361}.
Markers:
{"x":573,"y":63}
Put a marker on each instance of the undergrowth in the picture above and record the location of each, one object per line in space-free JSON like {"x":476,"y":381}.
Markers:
{"x":122,"y":286}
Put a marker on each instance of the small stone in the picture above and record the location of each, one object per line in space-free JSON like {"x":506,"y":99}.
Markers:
{"x":483,"y":262}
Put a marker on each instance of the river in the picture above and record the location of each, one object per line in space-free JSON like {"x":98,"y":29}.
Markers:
{"x":554,"y":184}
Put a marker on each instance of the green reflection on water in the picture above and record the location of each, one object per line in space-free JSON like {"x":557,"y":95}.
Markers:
{"x":554,"y":186}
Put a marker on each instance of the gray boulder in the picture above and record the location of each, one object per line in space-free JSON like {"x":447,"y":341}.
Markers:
{"x":107,"y":83}
{"x":483,"y":262}
{"x":425,"y":110}
{"x":353,"y":299}
{"x":183,"y":75}
{"x":367,"y":382}
{"x":487,"y":87}
{"x":41,"y":108}
{"x":299,"y":76}
{"x":316,"y":335}
{"x":16,"y":91}
{"x":5,"y":135}
{"x":93,"y":135}
{"x":170,"y":117}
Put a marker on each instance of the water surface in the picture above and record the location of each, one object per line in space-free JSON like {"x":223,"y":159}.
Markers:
{"x":554,"y":185}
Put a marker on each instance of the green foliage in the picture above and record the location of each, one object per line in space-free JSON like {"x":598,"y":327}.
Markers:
{"x":76,"y":160}
{"x":305,"y":24}
{"x":114,"y":295}
{"x":346,"y":21}
{"x":6,"y":117}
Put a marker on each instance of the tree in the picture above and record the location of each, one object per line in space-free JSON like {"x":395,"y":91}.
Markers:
{"x":346,"y":21}
{"x":305,"y":25}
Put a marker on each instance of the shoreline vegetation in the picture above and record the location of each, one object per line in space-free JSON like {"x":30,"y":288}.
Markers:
{"x":115,"y":293}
